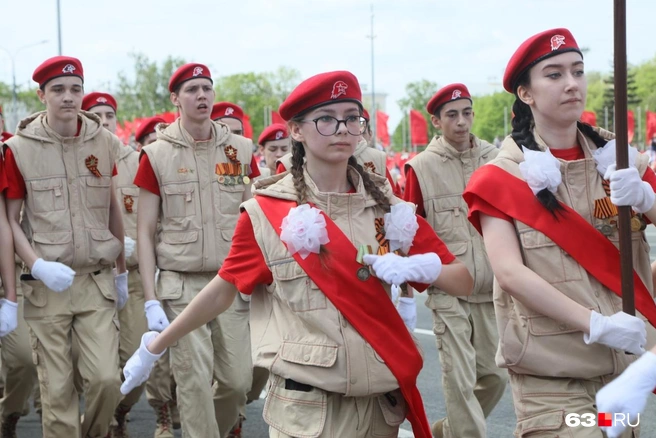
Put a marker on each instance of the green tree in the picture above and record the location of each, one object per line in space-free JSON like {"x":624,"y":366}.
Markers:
{"x":645,"y":79}
{"x":492,"y":115}
{"x":147,"y":93}
{"x":417,"y":96}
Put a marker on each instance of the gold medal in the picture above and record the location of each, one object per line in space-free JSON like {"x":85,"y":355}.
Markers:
{"x":247,"y":180}
{"x":635,"y":224}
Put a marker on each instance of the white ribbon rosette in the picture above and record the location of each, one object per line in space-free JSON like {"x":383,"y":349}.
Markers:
{"x":541,"y":170}
{"x":400,"y":227}
{"x":605,"y":157}
{"x":304,"y":230}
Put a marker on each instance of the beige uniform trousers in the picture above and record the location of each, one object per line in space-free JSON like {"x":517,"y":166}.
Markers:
{"x":216,"y":352}
{"x":87,"y":311}
{"x":467,"y":338}
{"x":18,"y":368}
{"x":159,"y":384}
{"x":316,"y":413}
{"x":542,"y":403}
{"x":133,"y":325}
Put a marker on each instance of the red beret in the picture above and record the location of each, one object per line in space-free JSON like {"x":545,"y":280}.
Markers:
{"x":447,"y":94}
{"x":319,"y":90}
{"x":147,"y":126}
{"x":57,"y":66}
{"x":97,"y":99}
{"x":535,"y":49}
{"x":227,"y":109}
{"x":365,"y":114}
{"x":187,"y":72}
{"x":277,"y":131}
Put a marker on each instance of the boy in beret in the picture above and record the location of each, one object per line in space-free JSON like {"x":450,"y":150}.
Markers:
{"x":192,"y":180}
{"x":60,"y":165}
{"x":465,"y":326}
{"x":274,"y":144}
{"x":230,"y":114}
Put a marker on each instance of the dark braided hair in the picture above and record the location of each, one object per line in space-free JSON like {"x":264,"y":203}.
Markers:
{"x":298,"y":155}
{"x":370,"y":186}
{"x":522,"y":134}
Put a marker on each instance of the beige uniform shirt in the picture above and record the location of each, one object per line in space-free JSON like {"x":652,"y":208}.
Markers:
{"x":443,"y":174}
{"x":297,"y":332}
{"x":198,"y":213}
{"x":68,"y":183}
{"x":531,"y":343}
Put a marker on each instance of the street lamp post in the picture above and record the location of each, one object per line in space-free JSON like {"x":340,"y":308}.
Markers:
{"x":12,"y":57}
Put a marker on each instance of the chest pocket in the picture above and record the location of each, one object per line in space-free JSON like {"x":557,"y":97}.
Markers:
{"x":546,"y":258}
{"x":98,"y":191}
{"x":449,"y":220}
{"x":297,"y":289}
{"x":47,"y":195}
{"x":130,"y":199}
{"x":228,"y":198}
{"x":178,"y":200}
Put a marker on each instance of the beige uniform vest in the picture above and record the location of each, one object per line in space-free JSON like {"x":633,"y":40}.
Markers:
{"x":127,"y":195}
{"x":443,"y":174}
{"x":198,"y":214}
{"x":370,"y":158}
{"x":296,"y":332}
{"x":531,"y":343}
{"x":66,"y":208}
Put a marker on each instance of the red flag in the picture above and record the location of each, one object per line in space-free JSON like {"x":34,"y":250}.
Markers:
{"x":630,"y":124}
{"x":276,"y":118}
{"x":248,"y":128}
{"x":418,"y":128}
{"x":122,"y":133}
{"x":381,"y":128}
{"x":651,"y":126}
{"x":169,"y":117}
{"x":589,"y":117}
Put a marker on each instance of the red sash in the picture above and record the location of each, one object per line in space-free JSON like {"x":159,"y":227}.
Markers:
{"x":364,"y":304}
{"x":570,"y":231}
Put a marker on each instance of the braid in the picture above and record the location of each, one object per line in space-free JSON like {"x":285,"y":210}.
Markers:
{"x":370,"y":186}
{"x":298,"y":153}
{"x":523,"y":136}
{"x":593,"y":135}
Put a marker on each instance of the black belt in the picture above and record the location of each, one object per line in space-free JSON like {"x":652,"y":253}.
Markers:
{"x":296,"y":386}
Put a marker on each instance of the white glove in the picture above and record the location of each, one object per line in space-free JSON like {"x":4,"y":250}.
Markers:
{"x":138,"y":367}
{"x":628,"y":393}
{"x":155,"y":315}
{"x":8,"y":317}
{"x":56,"y":276}
{"x":387,"y":267}
{"x":422,"y":268}
{"x":620,"y":331}
{"x":129,"y":245}
{"x":627,"y":188}
{"x":121,"y":283}
{"x":408,"y":311}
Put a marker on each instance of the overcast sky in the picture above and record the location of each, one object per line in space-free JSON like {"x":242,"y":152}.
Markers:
{"x":467,"y":41}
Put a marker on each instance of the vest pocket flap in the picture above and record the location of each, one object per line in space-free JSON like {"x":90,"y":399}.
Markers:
{"x":316,"y":355}
{"x":53,"y":238}
{"x":393,"y":408}
{"x":545,"y":326}
{"x":540,"y":423}
{"x":179,"y":237}
{"x":227,"y":233}
{"x":457,"y":248}
{"x":232,"y":188}
{"x":534,"y":239}
{"x":103,"y":181}
{"x":47,"y":184}
{"x":101,"y":235}
{"x":178,"y":189}
{"x":130,"y":191}
{"x":288,"y":271}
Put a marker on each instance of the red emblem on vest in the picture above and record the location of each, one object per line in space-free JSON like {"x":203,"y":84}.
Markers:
{"x":369,"y":166}
{"x":92,"y":164}
{"x":231,"y":153}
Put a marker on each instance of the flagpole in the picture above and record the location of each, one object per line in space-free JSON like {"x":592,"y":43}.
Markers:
{"x":622,"y":151}
{"x":373,"y":114}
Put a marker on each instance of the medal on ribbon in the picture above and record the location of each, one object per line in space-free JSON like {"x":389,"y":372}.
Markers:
{"x":92,"y":164}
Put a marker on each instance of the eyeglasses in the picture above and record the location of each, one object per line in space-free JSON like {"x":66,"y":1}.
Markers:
{"x":329,"y":125}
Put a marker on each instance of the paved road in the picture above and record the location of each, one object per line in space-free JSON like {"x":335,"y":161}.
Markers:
{"x":501,"y":422}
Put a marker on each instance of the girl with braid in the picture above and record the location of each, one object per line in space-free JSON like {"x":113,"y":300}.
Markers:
{"x":547,"y":210}
{"x":341,"y":361}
